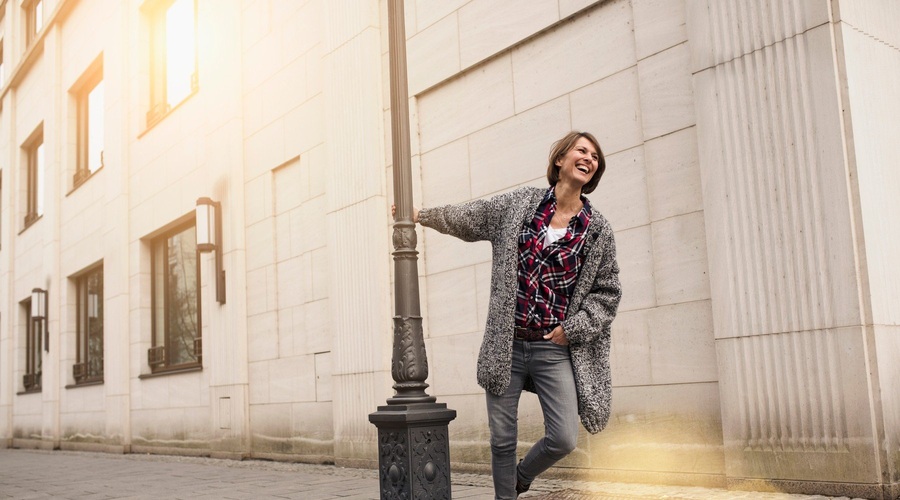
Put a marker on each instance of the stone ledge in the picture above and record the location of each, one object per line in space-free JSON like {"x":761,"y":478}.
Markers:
{"x":170,"y":450}
{"x":95,"y":447}
{"x":34,"y":444}
{"x":853,"y":490}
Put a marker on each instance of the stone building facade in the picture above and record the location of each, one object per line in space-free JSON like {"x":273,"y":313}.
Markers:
{"x":751,"y":150}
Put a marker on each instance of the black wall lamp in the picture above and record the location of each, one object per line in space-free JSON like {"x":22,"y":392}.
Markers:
{"x":209,"y":238}
{"x":39,"y":312}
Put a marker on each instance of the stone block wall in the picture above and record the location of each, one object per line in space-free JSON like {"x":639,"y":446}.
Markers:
{"x":290,"y":336}
{"x":793,"y":218}
{"x":750,"y":163}
{"x":487,"y":116}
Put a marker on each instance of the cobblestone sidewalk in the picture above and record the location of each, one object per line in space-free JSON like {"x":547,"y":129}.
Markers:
{"x":26,"y":474}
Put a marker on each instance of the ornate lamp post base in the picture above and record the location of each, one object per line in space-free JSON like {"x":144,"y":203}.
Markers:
{"x":413,"y":450}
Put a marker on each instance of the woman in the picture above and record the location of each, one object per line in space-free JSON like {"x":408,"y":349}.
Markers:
{"x":554,"y":293}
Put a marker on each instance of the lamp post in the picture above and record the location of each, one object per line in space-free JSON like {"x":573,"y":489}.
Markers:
{"x":413,"y":441}
{"x":209,"y":238}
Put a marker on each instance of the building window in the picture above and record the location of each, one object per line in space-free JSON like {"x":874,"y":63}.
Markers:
{"x":173,"y":55}
{"x":33,"y":350}
{"x":34,"y":151}
{"x":89,"y":358}
{"x":2,"y":37}
{"x":34,"y":17}
{"x":90,"y":125}
{"x":175,"y":300}
{"x":2,"y":67}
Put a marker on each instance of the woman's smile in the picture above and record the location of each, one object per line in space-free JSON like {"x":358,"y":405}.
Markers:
{"x":579,"y":163}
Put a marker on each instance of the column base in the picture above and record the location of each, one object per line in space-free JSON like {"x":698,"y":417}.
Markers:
{"x":413,"y":450}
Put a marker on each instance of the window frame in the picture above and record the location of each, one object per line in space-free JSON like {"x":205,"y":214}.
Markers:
{"x":92,"y":78}
{"x":159,"y":354}
{"x":34,"y":358}
{"x":81,"y":369}
{"x":1,"y":208}
{"x":2,"y":65}
{"x":159,"y":105}
{"x":2,"y":44}
{"x":33,"y":156}
{"x":32,"y":15}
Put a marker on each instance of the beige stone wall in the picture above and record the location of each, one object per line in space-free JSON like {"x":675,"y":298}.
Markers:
{"x":872,"y":60}
{"x":750,"y":167}
{"x":290,"y":334}
{"x":793,"y":240}
{"x":512,"y":82}
{"x":193,"y":151}
{"x":33,"y":252}
{"x":357,"y":218}
{"x":93,"y":227}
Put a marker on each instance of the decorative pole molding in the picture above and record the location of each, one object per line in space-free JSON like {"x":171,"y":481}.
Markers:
{"x":413,"y":441}
{"x":409,"y":364}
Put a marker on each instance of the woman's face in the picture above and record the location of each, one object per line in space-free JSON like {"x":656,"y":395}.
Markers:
{"x":579,"y":164}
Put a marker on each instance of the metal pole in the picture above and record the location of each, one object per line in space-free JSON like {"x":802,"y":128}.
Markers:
{"x":414,"y":458}
{"x":220,"y":269}
{"x":409,"y":366}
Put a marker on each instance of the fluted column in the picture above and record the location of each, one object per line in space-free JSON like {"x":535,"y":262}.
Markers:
{"x":357,"y":221}
{"x":791,"y":309}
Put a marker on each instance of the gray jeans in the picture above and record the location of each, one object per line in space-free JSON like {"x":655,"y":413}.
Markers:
{"x":550,"y":367}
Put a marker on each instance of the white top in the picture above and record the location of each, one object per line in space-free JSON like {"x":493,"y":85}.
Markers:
{"x":553,"y":235}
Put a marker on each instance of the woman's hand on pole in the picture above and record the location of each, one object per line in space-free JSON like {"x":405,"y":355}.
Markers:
{"x":415,"y":216}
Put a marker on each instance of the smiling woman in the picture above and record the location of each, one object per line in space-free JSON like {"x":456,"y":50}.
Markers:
{"x":548,"y":328}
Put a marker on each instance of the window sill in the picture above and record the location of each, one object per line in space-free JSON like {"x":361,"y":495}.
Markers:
{"x":81,"y":182}
{"x":36,"y":390}
{"x":171,"y":371}
{"x":162,"y":116}
{"x":84,"y":384}
{"x":31,"y":223}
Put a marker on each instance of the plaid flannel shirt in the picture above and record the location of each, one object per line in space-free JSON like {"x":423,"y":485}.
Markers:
{"x":547,"y":275}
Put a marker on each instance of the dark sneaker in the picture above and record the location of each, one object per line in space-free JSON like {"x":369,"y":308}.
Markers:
{"x":521,"y":488}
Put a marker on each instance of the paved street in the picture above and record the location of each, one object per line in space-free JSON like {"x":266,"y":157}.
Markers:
{"x":28,"y":474}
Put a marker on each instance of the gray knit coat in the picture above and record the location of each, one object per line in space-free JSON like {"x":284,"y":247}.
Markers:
{"x":591,"y":309}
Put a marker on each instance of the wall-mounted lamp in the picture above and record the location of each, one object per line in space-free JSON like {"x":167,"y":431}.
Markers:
{"x":209,"y":238}
{"x":39,"y":312}
{"x":93,"y":305}
{"x":38,"y":303}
